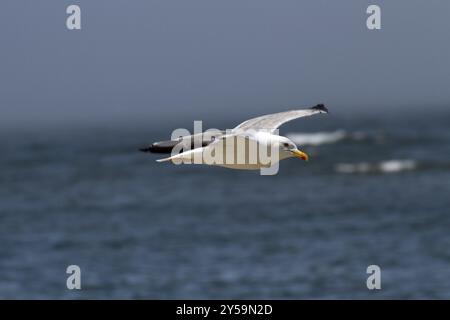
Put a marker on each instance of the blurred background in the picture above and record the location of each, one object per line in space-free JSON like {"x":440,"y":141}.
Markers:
{"x":75,"y":107}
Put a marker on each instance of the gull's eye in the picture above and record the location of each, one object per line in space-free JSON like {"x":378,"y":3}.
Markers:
{"x":286,"y":145}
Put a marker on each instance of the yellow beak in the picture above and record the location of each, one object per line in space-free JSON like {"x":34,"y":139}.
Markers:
{"x":300,"y":154}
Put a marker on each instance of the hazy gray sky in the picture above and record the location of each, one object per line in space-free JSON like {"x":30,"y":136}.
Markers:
{"x":149,"y":60}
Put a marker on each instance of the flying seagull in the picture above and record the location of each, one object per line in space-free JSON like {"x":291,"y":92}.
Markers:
{"x":260,"y":132}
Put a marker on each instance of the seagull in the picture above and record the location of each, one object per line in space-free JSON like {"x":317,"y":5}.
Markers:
{"x":260,"y":132}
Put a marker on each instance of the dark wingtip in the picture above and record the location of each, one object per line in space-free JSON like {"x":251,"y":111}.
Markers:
{"x":320,"y":107}
{"x":149,"y":149}
{"x":161,"y":146}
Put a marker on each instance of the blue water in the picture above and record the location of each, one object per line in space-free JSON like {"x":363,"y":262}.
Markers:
{"x":141,"y":229}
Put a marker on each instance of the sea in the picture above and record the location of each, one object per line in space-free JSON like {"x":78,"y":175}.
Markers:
{"x":376,"y":191}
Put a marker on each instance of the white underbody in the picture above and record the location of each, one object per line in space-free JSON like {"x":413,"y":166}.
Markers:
{"x":260,"y":150}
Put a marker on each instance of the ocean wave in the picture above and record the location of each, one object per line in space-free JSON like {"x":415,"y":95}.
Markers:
{"x":320,"y":138}
{"x":389,"y":166}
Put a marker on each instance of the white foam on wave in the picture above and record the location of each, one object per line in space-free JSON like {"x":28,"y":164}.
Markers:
{"x":389,"y":166}
{"x":397,"y":165}
{"x":320,"y":138}
{"x":317,"y":138}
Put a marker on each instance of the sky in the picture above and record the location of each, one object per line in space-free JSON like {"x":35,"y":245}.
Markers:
{"x":159,"y":61}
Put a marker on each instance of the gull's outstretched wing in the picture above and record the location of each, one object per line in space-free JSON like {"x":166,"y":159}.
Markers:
{"x":271,"y":122}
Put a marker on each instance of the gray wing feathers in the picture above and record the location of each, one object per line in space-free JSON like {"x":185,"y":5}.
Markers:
{"x":275,"y":120}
